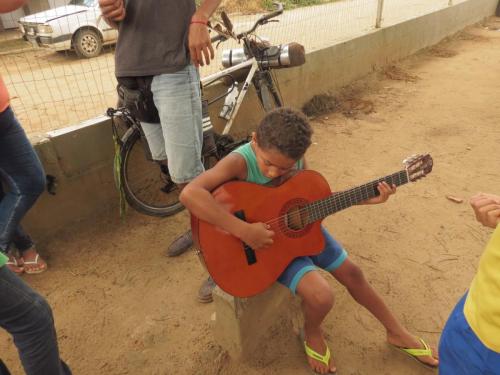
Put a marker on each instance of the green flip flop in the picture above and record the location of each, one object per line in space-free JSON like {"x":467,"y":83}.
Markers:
{"x":325,"y":358}
{"x":415,"y":353}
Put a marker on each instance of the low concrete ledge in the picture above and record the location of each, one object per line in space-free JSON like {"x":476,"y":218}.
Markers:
{"x":81,"y":157}
{"x":242,"y":326}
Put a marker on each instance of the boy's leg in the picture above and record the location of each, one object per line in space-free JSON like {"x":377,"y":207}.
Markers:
{"x":28,"y":318}
{"x":317,"y":301}
{"x":302,"y":278}
{"x":351,"y":276}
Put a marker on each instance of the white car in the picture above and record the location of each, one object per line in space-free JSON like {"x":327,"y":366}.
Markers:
{"x":78,"y":26}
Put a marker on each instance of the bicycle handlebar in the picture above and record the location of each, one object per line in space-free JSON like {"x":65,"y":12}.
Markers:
{"x":273,"y":14}
{"x":261,"y":21}
{"x":218,"y":38}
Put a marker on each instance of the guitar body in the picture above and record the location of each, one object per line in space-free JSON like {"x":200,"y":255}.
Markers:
{"x":244,"y":272}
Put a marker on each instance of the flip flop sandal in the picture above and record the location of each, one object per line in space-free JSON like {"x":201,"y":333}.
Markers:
{"x":15,"y":266}
{"x":415,"y":353}
{"x":42,"y":267}
{"x":325,"y":358}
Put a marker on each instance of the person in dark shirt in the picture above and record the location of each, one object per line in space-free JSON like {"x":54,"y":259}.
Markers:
{"x":165,"y":42}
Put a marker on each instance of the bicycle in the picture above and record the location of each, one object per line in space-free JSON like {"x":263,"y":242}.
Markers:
{"x":146,"y":183}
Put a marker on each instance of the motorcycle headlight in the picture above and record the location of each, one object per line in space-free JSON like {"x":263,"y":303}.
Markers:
{"x":44,"y":29}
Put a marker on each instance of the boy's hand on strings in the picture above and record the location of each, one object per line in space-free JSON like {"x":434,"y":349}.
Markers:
{"x":487,"y":209}
{"x":385,"y":191}
{"x":258,"y":235}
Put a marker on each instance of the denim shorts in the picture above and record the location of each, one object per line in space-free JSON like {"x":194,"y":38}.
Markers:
{"x":460,"y":350}
{"x":331,"y":258}
{"x":179,"y":139}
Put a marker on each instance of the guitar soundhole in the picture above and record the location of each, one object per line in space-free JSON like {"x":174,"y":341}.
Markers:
{"x":296,"y":218}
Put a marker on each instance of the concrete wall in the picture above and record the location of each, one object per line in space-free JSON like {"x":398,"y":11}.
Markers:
{"x":81,"y":157}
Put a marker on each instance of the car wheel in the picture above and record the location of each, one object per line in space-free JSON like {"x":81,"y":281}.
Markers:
{"x":87,"y":43}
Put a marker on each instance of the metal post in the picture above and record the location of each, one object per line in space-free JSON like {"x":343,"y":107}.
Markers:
{"x":380,"y":7}
{"x":450,"y":3}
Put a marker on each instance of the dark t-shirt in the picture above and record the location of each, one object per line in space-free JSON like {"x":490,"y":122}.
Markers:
{"x":152,"y":38}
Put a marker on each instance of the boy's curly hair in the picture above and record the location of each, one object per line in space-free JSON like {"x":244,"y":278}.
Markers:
{"x":285,"y":130}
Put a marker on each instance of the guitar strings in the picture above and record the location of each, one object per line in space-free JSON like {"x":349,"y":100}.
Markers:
{"x":343,"y":196}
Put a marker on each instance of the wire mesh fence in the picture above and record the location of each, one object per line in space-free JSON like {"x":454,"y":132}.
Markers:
{"x":53,"y":89}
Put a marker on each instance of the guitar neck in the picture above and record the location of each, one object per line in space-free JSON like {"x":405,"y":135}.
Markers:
{"x":344,"y":199}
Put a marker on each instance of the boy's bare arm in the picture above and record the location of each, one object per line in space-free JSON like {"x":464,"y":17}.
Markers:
{"x":7,"y":6}
{"x":197,"y":197}
{"x":113,"y":11}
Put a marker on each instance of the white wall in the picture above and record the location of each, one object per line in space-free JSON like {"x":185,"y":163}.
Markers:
{"x":9,"y":20}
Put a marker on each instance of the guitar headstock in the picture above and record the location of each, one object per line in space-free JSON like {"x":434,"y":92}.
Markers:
{"x":418,"y":166}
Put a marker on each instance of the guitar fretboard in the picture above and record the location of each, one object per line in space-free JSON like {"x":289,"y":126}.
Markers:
{"x":341,"y":200}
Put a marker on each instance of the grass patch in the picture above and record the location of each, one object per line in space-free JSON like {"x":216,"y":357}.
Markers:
{"x":290,"y":4}
{"x":255,"y":6}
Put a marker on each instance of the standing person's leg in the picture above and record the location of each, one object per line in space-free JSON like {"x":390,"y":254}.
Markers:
{"x":31,"y":261}
{"x":28,"y":318}
{"x":22,"y":173}
{"x":177,"y":97}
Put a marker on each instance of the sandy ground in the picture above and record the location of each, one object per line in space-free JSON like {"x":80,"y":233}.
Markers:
{"x":121,"y":307}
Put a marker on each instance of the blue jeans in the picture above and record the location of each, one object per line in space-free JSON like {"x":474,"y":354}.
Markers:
{"x":28,"y":318}
{"x":179,"y":139}
{"x":22,"y":174}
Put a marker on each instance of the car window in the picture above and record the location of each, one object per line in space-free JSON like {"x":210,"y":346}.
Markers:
{"x":87,"y":3}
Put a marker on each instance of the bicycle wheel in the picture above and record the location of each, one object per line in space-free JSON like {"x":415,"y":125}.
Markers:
{"x":146,"y":183}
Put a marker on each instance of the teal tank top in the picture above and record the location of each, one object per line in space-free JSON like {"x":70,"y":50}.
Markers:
{"x":254,"y":174}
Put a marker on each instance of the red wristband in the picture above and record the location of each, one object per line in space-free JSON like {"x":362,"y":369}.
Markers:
{"x":199,"y":21}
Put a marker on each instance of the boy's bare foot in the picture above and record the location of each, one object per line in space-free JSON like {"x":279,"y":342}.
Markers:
{"x":33,"y":262}
{"x":316,"y":342}
{"x":408,"y":341}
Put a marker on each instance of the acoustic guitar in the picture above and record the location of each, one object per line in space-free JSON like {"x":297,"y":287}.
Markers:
{"x":294,"y":210}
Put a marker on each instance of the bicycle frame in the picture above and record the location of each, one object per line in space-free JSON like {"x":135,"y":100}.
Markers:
{"x":252,"y":63}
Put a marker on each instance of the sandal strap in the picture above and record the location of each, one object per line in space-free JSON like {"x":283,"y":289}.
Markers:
{"x":34,"y":262}
{"x":315,"y":355}
{"x":13,"y":262}
{"x":418,"y":352}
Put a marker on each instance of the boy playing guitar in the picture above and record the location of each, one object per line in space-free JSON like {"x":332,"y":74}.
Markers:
{"x":277,"y":149}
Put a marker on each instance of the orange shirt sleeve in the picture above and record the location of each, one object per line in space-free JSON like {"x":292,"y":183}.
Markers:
{"x":4,"y":96}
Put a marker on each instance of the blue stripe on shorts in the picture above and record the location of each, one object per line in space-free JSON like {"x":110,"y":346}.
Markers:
{"x":331,"y":258}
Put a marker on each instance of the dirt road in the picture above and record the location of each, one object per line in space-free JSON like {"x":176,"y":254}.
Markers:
{"x":121,"y":307}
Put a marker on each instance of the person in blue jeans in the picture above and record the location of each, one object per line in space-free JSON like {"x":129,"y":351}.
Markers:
{"x":28,"y":318}
{"x":23,"y":312}
{"x":22,"y":174}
